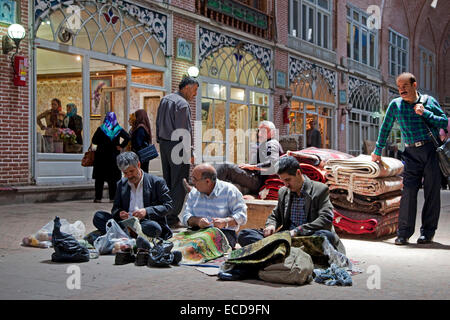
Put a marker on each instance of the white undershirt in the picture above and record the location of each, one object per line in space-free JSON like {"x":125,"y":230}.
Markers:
{"x":136,"y":195}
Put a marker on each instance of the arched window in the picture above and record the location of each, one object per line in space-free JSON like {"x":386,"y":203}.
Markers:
{"x":234,"y":65}
{"x":105,"y":28}
{"x":312,"y":103}
{"x":364,"y":118}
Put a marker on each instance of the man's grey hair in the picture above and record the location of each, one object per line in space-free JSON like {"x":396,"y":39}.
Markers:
{"x":126,"y":159}
{"x":268,"y":124}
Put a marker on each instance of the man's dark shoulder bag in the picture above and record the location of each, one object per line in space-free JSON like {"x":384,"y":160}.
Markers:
{"x":442,"y":147}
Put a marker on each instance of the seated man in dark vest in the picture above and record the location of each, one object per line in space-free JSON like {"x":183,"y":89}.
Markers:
{"x":139,"y":195}
{"x":304,"y":208}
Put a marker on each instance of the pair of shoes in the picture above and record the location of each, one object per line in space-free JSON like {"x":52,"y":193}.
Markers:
{"x":400,"y":241}
{"x":424,"y":240}
{"x":124,"y":257}
{"x":97,"y":200}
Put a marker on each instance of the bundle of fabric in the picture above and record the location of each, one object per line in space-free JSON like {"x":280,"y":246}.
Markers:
{"x":269,"y":191}
{"x":317,"y":156}
{"x":200,"y":246}
{"x":364,"y":176}
{"x":381,"y":204}
{"x":361,"y":223}
{"x":281,"y":258}
{"x":272,"y":249}
{"x":314,"y":173}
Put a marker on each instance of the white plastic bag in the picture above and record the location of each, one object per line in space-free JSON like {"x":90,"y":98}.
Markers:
{"x":114,"y":234}
{"x":43,"y":238}
{"x":76,"y":229}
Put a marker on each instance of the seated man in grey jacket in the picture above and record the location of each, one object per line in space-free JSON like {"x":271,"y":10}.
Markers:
{"x":139,"y":195}
{"x":304,"y":208}
{"x":249,"y":178}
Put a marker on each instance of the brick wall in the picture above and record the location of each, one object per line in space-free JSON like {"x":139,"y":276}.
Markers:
{"x":14,"y":117}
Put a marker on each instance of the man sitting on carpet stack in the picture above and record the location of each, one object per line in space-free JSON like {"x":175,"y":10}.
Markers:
{"x":249,"y":178}
{"x":214,"y":203}
{"x":304,"y":208}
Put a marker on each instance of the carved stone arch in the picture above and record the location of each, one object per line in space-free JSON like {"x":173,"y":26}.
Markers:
{"x":112,"y":27}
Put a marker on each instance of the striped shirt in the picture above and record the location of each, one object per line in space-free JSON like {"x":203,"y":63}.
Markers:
{"x":411,"y":124}
{"x":298,"y":214}
{"x":224,"y":201}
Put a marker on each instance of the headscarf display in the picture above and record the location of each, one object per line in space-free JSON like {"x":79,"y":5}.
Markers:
{"x":110,"y":125}
{"x":142,"y":121}
{"x":73,"y":111}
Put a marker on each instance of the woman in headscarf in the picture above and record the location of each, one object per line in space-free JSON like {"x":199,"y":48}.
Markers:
{"x":107,"y":138}
{"x":141,"y":135}
{"x":73,"y":121}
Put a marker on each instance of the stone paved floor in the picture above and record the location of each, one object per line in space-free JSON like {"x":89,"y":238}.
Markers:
{"x":408,"y":272}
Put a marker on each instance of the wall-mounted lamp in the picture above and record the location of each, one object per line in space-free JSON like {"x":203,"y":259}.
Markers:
{"x":346,"y":110}
{"x":15,"y":33}
{"x":193,"y":72}
{"x":19,"y":64}
{"x":288,"y":95}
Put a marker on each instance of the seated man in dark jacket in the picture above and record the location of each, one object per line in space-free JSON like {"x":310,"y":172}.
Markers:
{"x":304,"y":208}
{"x":139,"y":195}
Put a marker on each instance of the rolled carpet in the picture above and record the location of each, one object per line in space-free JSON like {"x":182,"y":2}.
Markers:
{"x":365,"y":186}
{"x":376,"y":205}
{"x":359,"y":223}
{"x":313,"y":172}
{"x":363,"y":166}
{"x":318,"y":156}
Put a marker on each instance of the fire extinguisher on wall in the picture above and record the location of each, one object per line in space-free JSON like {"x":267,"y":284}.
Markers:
{"x":20,"y":65}
{"x":286,"y":111}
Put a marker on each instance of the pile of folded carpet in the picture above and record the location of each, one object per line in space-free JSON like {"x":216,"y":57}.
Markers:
{"x":312,"y":161}
{"x":365,"y":195}
{"x":269,"y":191}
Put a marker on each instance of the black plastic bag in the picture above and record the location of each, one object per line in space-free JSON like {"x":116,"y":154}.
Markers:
{"x":67,"y":248}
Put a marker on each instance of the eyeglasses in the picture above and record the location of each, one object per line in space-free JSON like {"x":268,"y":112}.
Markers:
{"x":195,"y":180}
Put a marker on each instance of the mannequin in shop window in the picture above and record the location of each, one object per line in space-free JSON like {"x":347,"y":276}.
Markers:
{"x":53,"y":117}
{"x":73,"y":121}
{"x":313,"y":137}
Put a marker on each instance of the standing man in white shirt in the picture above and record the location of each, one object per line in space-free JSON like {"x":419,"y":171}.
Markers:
{"x":139,"y":195}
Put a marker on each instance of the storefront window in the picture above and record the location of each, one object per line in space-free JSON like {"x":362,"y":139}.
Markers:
{"x":311,"y":110}
{"x":59,"y":106}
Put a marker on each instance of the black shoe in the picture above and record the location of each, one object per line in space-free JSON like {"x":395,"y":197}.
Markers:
{"x":177,"y":256}
{"x":424,"y":240}
{"x":400,"y":241}
{"x":124,"y":257}
{"x":235,"y":274}
{"x":142,"y":257}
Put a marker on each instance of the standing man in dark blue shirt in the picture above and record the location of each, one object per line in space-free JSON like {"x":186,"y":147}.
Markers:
{"x":174,"y":113}
{"x":419,"y":157}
